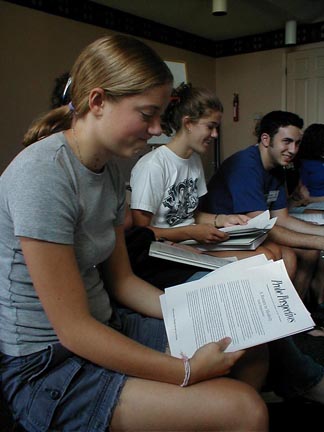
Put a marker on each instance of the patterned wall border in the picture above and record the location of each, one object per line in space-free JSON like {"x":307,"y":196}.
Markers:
{"x":96,"y":14}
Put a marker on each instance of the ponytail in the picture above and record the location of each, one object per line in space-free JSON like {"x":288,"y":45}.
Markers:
{"x":119,"y":64}
{"x":56,"y":120}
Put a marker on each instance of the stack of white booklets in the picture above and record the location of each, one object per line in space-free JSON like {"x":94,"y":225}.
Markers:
{"x":252,"y":301}
{"x":243,"y":241}
{"x":186,"y":255}
{"x":261,"y":222}
{"x":243,"y":237}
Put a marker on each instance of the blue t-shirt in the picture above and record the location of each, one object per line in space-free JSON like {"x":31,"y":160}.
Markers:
{"x":312,"y":176}
{"x":242,"y":185}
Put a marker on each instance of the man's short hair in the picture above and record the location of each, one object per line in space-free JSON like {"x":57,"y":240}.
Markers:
{"x":271,"y":122}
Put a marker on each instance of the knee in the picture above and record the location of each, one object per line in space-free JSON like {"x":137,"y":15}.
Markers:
{"x":260,"y":417}
{"x":269,"y":253}
{"x":290,"y":259}
{"x":252,"y":403}
{"x":258,"y":411}
{"x":275,"y":250}
{"x":271,"y":250}
{"x":232,"y":405}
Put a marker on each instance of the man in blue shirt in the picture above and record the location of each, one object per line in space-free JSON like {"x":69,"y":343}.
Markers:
{"x":242,"y":182}
{"x":252,"y":180}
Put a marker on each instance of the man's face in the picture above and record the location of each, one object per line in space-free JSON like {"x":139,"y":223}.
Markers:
{"x":283,"y":146}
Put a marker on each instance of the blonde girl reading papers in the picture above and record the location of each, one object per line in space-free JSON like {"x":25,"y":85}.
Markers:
{"x":71,"y":359}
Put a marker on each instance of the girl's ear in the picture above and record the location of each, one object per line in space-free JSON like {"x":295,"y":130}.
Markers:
{"x":265,"y":139}
{"x":96,"y":100}
{"x":187,"y":123}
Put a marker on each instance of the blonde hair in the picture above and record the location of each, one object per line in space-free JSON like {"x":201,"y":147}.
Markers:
{"x":119,"y":64}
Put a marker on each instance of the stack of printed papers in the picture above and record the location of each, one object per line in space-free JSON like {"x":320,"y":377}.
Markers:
{"x":262,"y":223}
{"x":253,"y":301}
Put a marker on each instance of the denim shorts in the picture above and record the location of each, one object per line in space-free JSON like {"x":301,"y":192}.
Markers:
{"x":55,"y":390}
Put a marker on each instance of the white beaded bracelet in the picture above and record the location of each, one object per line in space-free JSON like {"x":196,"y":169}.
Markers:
{"x":187,"y":370}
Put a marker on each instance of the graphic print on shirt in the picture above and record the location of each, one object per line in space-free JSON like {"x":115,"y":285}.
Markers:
{"x":272,"y":196}
{"x":182,"y":201}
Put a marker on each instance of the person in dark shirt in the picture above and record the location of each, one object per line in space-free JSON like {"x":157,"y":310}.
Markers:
{"x":252,"y":181}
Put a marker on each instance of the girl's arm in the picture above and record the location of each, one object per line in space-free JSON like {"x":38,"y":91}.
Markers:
{"x":58,"y":283}
{"x":202,"y":233}
{"x":221,"y":220}
{"x":126,"y":287}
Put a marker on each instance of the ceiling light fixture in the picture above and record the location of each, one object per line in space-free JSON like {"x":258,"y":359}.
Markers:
{"x":291,"y":32}
{"x":219,"y":7}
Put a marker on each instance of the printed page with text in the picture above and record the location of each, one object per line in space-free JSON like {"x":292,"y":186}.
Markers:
{"x":251,"y":304}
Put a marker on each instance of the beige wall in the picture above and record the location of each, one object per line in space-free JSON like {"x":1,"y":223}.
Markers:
{"x":260,"y":81}
{"x":36,"y":48}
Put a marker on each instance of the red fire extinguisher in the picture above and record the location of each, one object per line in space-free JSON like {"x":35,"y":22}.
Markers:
{"x":236,"y":107}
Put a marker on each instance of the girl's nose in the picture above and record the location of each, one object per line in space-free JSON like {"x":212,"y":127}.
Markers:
{"x":155,"y":127}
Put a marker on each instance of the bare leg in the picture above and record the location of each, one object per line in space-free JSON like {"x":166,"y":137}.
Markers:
{"x":252,"y":368}
{"x":309,"y":277}
{"x":307,"y":261}
{"x":214,"y":405}
{"x":317,"y":284}
{"x":316,"y":393}
{"x":290,"y":259}
{"x":287,"y":254}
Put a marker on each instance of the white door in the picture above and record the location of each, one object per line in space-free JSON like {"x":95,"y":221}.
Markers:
{"x":305,"y":84}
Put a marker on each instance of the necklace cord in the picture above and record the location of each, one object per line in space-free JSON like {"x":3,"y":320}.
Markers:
{"x":77,"y":145}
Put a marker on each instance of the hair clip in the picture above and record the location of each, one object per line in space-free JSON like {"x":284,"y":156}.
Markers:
{"x":175,"y":99}
{"x":71,"y":107}
{"x":66,"y":88}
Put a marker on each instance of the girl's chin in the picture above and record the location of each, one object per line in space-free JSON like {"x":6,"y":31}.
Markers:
{"x":204,"y":147}
{"x":137,"y":151}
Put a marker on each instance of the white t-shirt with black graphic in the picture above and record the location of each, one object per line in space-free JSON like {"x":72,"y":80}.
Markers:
{"x":168,"y":186}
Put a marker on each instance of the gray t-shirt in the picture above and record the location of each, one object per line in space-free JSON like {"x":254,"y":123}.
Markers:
{"x":47,"y":194}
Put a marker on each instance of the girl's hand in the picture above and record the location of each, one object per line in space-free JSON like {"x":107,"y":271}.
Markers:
{"x":207,"y":233}
{"x":211,"y":361}
{"x":233,"y":219}
{"x":304,"y":194}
